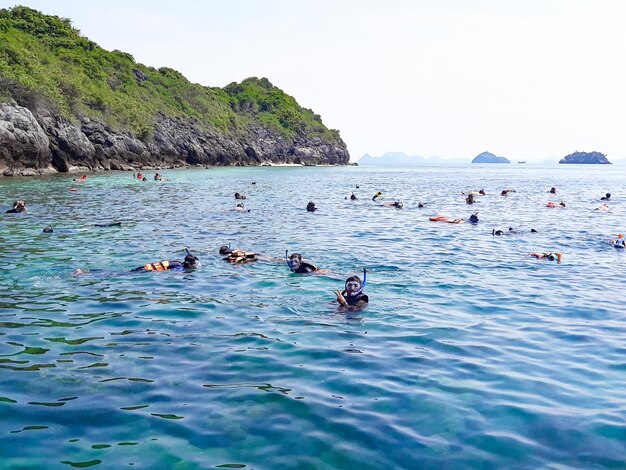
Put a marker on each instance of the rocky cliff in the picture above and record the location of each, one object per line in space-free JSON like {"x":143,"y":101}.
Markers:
{"x":68,"y":105}
{"x":586,"y":158}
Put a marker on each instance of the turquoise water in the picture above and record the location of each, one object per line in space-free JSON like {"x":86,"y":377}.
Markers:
{"x":470,"y":354}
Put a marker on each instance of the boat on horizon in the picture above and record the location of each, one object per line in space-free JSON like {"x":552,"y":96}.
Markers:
{"x":521,"y":162}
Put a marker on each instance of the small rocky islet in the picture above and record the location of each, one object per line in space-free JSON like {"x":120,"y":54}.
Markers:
{"x":588,"y":158}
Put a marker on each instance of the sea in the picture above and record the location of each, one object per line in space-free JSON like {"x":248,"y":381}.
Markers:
{"x":470,"y":354}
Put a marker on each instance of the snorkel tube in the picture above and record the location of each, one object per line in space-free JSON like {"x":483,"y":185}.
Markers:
{"x":287,"y":260}
{"x":194,"y":259}
{"x":362,"y":284}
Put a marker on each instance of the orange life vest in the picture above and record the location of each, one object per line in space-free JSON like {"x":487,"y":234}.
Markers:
{"x":158,"y":266}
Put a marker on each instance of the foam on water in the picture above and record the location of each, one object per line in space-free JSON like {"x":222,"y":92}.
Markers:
{"x":470,"y":355}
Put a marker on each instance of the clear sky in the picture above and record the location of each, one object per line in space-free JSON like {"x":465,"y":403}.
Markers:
{"x":527,"y":79}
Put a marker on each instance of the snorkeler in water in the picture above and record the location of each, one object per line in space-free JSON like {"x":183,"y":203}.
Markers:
{"x":239,"y":208}
{"x":18,"y":207}
{"x":397,"y":204}
{"x":237,"y":256}
{"x":619,"y":242}
{"x":190,"y":262}
{"x":295,"y":263}
{"x":310,"y":207}
{"x":549,"y":256}
{"x":377,"y":196}
{"x":353,"y":294}
{"x":298,"y":266}
{"x":510,"y":231}
{"x":67,"y":231}
{"x":473,"y":218}
{"x":443,"y":218}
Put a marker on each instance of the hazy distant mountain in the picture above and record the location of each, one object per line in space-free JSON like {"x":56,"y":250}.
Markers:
{"x":487,"y":157}
{"x":402,"y":159}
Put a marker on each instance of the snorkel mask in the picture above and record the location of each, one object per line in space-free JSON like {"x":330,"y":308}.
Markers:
{"x":190,"y":261}
{"x":294,"y":261}
{"x":225,"y":250}
{"x":353,"y":283}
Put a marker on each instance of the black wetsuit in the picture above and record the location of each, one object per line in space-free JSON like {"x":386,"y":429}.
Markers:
{"x":354,"y":299}
{"x":305,"y":268}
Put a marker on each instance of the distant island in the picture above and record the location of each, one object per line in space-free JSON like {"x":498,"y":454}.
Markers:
{"x":595,"y":158}
{"x":67,"y":104}
{"x":487,"y":157}
{"x":400,"y":159}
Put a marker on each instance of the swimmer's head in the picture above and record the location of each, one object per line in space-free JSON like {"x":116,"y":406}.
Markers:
{"x":532,"y":230}
{"x":620,"y":236}
{"x":474,"y":218}
{"x":481,"y":191}
{"x":398,"y":204}
{"x":353,"y":284}
{"x":310,"y":207}
{"x":224,"y":250}
{"x":608,"y":195}
{"x":190,"y":262}
{"x":48,"y":229}
{"x":553,"y":190}
{"x":295,"y":260}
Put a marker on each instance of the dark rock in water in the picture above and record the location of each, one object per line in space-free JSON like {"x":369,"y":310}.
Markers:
{"x":586,"y":158}
{"x":487,"y":157}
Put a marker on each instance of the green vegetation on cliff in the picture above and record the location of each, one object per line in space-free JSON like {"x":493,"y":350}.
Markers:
{"x":44,"y":61}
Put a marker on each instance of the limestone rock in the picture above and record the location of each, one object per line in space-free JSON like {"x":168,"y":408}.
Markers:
{"x":23,"y":143}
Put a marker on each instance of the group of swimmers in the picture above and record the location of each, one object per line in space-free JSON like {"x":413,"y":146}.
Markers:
{"x":353,"y":294}
{"x":140,"y":176}
{"x":470,"y":199}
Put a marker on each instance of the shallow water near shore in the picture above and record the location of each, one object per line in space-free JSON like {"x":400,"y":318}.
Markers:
{"x":470,"y":354}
